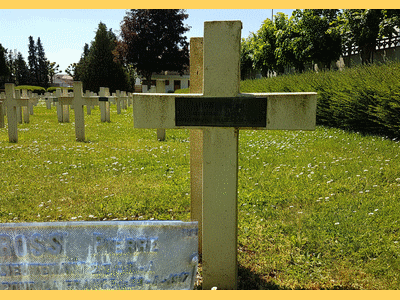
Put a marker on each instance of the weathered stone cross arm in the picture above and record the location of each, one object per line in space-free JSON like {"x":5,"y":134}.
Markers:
{"x":13,"y":97}
{"x":262,"y":111}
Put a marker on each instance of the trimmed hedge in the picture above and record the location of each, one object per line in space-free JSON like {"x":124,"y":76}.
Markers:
{"x":34,"y":89}
{"x":182,"y":91}
{"x":362,"y":98}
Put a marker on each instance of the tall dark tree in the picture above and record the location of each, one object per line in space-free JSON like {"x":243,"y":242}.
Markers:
{"x":42,"y":65}
{"x":153,"y":41}
{"x":82,"y":66}
{"x":4,"y":70}
{"x":21,"y":71}
{"x":97,"y":67}
{"x":32,"y":62}
{"x":11,"y":65}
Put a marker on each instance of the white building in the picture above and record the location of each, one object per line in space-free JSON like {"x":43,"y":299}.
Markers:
{"x":63,"y":80}
{"x":173,"y":81}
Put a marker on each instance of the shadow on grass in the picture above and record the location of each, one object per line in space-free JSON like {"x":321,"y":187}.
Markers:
{"x":249,"y":280}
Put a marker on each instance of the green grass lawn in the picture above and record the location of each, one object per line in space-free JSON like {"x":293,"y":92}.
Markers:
{"x":317,"y":210}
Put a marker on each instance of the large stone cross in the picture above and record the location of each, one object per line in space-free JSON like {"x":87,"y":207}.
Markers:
{"x":219,"y":112}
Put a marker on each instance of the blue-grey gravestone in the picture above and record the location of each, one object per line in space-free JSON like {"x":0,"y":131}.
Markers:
{"x":120,"y":255}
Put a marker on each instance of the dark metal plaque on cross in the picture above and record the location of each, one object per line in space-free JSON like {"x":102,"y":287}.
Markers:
{"x":221,"y":111}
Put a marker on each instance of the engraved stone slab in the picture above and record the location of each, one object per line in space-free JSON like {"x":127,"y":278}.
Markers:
{"x":120,"y":255}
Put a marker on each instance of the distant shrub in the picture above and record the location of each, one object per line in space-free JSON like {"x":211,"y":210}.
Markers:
{"x":182,"y":91}
{"x":34,"y":89}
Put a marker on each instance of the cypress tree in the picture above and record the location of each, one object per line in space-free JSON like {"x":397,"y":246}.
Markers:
{"x":21,"y":71}
{"x":32,"y":62}
{"x":98,"y":67}
{"x":11,"y":66}
{"x":80,"y":69}
{"x":42,"y":65}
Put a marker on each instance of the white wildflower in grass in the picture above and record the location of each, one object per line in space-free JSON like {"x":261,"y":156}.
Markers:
{"x":337,"y":223}
{"x":371,"y":214}
{"x":73,"y":218}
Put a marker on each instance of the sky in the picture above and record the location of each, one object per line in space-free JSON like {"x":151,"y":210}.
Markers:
{"x":63,"y":32}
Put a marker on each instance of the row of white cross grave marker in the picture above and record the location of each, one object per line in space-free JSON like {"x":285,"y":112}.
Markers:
{"x":215,"y":111}
{"x":16,"y":105}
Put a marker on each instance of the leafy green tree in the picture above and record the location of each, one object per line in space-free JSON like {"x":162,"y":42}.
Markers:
{"x":131,"y":76}
{"x":289,"y":45}
{"x":389,"y":27}
{"x":317,"y":38}
{"x":246,"y":58}
{"x":52,"y":69}
{"x":152,"y":40}
{"x":360,"y":29}
{"x":391,"y":19}
{"x":97,"y":67}
{"x":264,"y":47}
{"x":71,"y":71}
